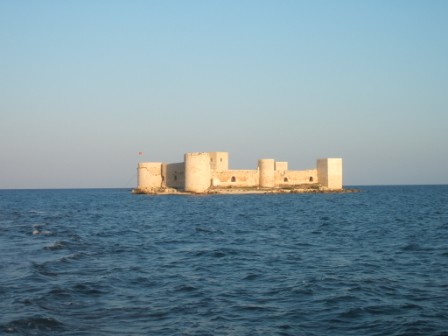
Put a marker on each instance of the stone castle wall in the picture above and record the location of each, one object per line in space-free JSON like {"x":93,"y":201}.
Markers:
{"x":235,"y":178}
{"x":173,"y":175}
{"x":296,"y":177}
{"x":200,"y":171}
{"x":149,"y":175}
{"x":330,"y":172}
{"x":219,"y":161}
{"x":197,"y":172}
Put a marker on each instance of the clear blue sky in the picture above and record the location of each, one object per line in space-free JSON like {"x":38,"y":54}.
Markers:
{"x":86,"y":85}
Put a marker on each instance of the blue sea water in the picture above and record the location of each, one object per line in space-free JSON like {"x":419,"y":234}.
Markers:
{"x":106,"y":262}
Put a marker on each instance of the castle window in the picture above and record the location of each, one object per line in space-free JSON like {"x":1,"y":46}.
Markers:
{"x":175,"y":177}
{"x":220,"y":159}
{"x":211,"y":159}
{"x":285,"y":179}
{"x":233,"y":179}
{"x":311,"y":179}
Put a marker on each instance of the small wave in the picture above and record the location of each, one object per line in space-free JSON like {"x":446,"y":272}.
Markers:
{"x":217,"y":253}
{"x":336,"y":300}
{"x":207,"y":230}
{"x":382,"y":310}
{"x":87,"y":289}
{"x":185,"y":288}
{"x":251,"y":276}
{"x":57,"y":245}
{"x":37,"y":323}
{"x":352,"y":313}
{"x":73,"y":256}
{"x":254,"y":308}
{"x":158,"y":313}
{"x":444,"y":254}
{"x":58,"y":292}
{"x":203,"y":229}
{"x":303,"y":244}
{"x":43,"y":269}
{"x":410,"y":247}
{"x":143,"y":281}
{"x":41,"y":232}
{"x":39,"y":229}
{"x":409,"y":306}
{"x":302,"y":291}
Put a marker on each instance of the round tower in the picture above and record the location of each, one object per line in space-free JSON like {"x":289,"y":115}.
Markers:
{"x":266,"y":169}
{"x":197,"y":172}
{"x":149,"y":175}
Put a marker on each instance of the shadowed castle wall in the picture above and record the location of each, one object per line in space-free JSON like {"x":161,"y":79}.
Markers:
{"x":174,"y":175}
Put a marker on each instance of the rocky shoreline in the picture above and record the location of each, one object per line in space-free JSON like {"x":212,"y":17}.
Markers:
{"x":299,"y":189}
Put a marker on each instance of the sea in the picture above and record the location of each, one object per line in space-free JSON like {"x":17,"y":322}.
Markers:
{"x":108,"y":262}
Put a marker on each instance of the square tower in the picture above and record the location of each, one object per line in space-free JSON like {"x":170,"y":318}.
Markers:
{"x":149,"y":175}
{"x":329,"y":172}
{"x":281,"y":167}
{"x":219,"y":161}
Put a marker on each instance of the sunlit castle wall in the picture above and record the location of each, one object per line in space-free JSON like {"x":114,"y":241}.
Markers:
{"x":281,"y":167}
{"x":149,"y":175}
{"x":296,"y":177}
{"x":285,"y":177}
{"x":197,"y":172}
{"x":266,"y":169}
{"x":219,"y":161}
{"x":235,"y":178}
{"x":329,"y":172}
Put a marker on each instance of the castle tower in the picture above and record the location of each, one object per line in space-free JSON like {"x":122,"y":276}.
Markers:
{"x":329,"y":173}
{"x":219,"y":161}
{"x":197,"y":172}
{"x":149,"y":175}
{"x":266,"y":169}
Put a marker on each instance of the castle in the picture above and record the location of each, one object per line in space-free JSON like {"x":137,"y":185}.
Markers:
{"x":202,"y":172}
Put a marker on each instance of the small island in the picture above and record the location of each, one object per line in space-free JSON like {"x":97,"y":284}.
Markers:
{"x":209,"y":173}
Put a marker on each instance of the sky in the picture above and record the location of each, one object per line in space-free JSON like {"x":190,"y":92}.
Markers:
{"x":86,"y":85}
